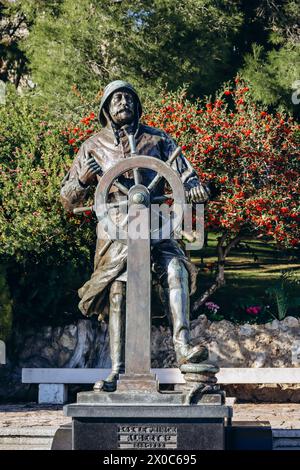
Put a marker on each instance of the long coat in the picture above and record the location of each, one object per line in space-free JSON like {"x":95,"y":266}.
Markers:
{"x":109,"y":148}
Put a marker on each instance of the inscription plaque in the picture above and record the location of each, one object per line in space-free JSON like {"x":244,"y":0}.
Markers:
{"x":179,"y":432}
{"x":147,"y":437}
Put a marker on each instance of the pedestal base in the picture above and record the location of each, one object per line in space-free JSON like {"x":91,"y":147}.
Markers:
{"x":238,"y":436}
{"x":112,"y":427}
{"x":134,"y":397}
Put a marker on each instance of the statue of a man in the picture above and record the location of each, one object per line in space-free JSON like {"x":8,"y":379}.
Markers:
{"x":119,"y":114}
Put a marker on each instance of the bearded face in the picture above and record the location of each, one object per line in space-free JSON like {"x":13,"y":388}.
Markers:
{"x":122,"y":107}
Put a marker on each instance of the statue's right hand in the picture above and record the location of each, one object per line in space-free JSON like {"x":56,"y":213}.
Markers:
{"x":88,"y":170}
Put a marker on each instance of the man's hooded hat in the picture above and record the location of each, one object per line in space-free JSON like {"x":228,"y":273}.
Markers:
{"x":109,"y":90}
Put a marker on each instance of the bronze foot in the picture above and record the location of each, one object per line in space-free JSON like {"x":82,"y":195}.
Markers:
{"x":191,"y":354}
{"x":107,"y":385}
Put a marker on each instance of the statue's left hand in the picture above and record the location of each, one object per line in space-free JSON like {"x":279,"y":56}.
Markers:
{"x":199,"y":193}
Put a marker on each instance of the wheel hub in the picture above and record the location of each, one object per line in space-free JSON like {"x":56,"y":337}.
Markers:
{"x":138,"y":198}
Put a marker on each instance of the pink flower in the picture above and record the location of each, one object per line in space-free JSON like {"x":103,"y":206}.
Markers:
{"x":212,"y":307}
{"x":254,"y":310}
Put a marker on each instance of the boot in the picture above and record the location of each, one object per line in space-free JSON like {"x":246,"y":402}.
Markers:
{"x":115,"y":338}
{"x":179,"y":305}
{"x":186,"y":353}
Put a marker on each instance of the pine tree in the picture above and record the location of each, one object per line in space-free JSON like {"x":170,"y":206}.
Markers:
{"x":70,"y":50}
{"x":83,"y":45}
{"x":273,"y":69}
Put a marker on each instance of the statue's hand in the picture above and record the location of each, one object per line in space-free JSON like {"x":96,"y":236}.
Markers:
{"x":199,"y":193}
{"x":88,"y":170}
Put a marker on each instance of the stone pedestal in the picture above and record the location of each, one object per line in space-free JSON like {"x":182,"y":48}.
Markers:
{"x":169,"y":426}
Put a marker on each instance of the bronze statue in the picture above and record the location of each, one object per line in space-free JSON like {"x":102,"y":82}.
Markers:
{"x":119,"y":114}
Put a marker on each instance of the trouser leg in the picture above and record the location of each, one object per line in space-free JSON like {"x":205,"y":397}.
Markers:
{"x":178,"y":302}
{"x":179,"y":305}
{"x":115,"y":327}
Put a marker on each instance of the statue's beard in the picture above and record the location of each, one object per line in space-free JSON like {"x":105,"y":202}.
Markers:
{"x":122,"y":117}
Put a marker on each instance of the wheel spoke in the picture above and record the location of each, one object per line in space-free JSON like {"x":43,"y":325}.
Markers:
{"x":137,"y":176}
{"x":79,"y":210}
{"x":174,"y":155}
{"x":160,"y":199}
{"x":160,"y":214}
{"x":116,"y":205}
{"x":154,"y":182}
{"x":121,"y":187}
{"x":109,"y":242}
{"x":164,"y":221}
{"x":169,"y":162}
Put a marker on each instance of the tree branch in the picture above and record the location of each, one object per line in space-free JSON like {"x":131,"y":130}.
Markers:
{"x":222,"y":251}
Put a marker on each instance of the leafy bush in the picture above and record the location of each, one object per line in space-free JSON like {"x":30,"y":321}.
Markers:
{"x":282,"y":294}
{"x":47,"y":252}
{"x":250,"y":159}
{"x":251,"y":156}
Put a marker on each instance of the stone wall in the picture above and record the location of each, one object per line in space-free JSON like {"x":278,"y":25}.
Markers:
{"x":85,"y":344}
{"x":272,"y":344}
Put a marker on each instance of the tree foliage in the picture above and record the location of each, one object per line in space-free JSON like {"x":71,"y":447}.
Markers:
{"x":47,"y":253}
{"x":250,"y":156}
{"x":273,"y":67}
{"x":60,"y":44}
{"x":150,"y":43}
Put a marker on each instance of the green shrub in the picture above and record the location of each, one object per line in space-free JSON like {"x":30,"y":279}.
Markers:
{"x":47,"y":252}
{"x":283,"y":295}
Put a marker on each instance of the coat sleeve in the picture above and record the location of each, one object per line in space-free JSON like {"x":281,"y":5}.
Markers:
{"x":186,"y":172}
{"x":73,"y":193}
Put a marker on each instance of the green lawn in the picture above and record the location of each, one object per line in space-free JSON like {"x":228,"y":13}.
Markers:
{"x":250,"y":269}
